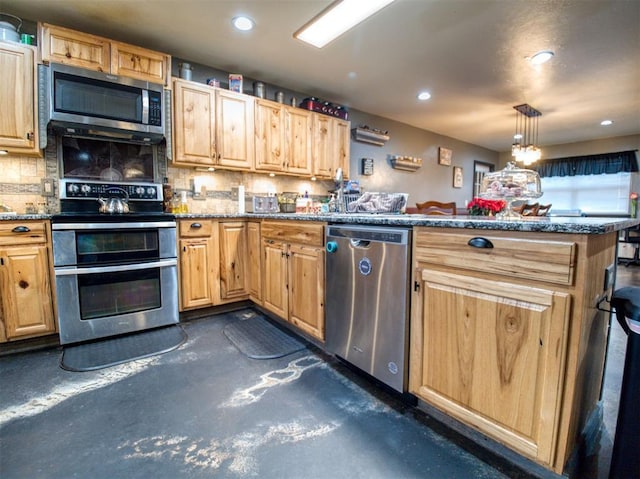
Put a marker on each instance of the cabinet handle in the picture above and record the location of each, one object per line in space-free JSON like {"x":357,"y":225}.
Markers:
{"x":30,"y":136}
{"x":196,"y":225}
{"x":480,"y":242}
{"x":21,"y":229}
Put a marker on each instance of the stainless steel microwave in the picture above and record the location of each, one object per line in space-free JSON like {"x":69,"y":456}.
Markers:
{"x":90,"y":103}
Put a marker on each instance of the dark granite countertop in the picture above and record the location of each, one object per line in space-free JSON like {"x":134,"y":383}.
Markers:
{"x":555,"y":224}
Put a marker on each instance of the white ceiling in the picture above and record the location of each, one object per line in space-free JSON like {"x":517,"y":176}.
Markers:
{"x":470,"y":54}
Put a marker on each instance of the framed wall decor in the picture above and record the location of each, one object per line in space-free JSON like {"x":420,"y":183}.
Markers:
{"x":457,"y":177}
{"x":444,"y":156}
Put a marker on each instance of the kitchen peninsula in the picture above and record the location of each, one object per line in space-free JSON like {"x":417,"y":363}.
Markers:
{"x":508,"y":335}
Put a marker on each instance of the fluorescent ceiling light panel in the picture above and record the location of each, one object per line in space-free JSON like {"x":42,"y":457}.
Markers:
{"x":339,"y":17}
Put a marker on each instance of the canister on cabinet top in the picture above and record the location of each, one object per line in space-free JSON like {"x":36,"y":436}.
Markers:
{"x":185,"y":71}
{"x":280,"y":96}
{"x":258,"y":89}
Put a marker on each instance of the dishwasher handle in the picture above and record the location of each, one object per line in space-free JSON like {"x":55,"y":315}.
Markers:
{"x":331,"y":247}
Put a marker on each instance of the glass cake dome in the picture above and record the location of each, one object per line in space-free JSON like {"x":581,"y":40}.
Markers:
{"x":510,"y":184}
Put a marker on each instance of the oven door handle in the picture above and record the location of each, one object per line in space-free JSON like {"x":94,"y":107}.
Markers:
{"x":73,"y":270}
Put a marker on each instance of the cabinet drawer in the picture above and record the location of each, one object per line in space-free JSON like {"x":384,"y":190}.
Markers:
{"x":514,"y":256}
{"x":22,"y":232}
{"x":195,"y":228}
{"x":308,"y":233}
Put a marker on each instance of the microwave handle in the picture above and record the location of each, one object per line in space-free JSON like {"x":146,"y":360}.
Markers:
{"x":145,"y":106}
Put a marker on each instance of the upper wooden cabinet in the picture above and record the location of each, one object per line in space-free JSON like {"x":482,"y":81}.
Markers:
{"x":331,"y":146}
{"x":70,"y":47}
{"x":283,"y":138}
{"x":18,"y":132}
{"x":212,"y":127}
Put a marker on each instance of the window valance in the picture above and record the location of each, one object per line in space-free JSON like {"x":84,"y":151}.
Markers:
{"x":609,"y":163}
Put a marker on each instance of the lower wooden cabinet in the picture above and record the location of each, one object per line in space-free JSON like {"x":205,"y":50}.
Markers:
{"x":491,"y":354}
{"x":293,"y":273}
{"x":213,"y":257}
{"x":26,"y":299}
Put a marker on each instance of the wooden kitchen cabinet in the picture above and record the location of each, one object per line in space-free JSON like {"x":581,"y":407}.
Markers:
{"x":293,"y":273}
{"x":283,"y":138}
{"x":18,"y":132}
{"x":199,"y":259}
{"x":212,"y":127}
{"x":70,"y":47}
{"x":331,"y":146}
{"x":233,"y":260}
{"x":499,"y":334}
{"x":213,"y":256}
{"x":26,"y":297}
{"x":254,"y":260}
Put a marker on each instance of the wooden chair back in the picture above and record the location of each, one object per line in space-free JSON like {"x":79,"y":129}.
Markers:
{"x":526,"y":209}
{"x":543,"y":210}
{"x":437,"y":208}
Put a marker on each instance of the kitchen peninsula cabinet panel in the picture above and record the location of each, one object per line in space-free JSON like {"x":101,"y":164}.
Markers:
{"x":18,"y":132}
{"x":26,"y":296}
{"x":70,"y":47}
{"x":509,"y":339}
{"x":233,"y":260}
{"x":194,"y":124}
{"x":492,"y":356}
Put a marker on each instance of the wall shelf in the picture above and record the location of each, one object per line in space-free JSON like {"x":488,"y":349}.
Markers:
{"x":406,"y":163}
{"x":367,"y":135}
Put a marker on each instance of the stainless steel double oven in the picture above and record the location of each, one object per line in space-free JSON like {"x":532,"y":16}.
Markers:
{"x":114,"y":273}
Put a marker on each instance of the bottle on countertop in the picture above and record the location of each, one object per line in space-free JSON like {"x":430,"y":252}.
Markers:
{"x":167,"y":195}
{"x":184,"y":206}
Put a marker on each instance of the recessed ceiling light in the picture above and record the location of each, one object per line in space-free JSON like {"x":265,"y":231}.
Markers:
{"x":424,"y":95}
{"x":336,"y":19}
{"x":243,"y":23}
{"x":606,"y":122}
{"x":541,"y":57}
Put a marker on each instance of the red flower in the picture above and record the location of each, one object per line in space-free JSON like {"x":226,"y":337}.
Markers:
{"x":633,"y":195}
{"x":483,"y":207}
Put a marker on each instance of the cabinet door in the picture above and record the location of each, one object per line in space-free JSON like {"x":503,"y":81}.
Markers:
{"x":17,"y":98}
{"x":270,"y":139}
{"x":254,"y":278}
{"x":26,"y":291}
{"x":235,"y":130}
{"x":198,"y":279}
{"x":61,"y":45}
{"x":491,"y":354}
{"x":306,"y":288}
{"x":343,"y":145}
{"x":140,"y":63}
{"x":194,"y":124}
{"x":298,"y":131}
{"x":233,"y":260}
{"x":275,"y":289}
{"x":323,"y":146}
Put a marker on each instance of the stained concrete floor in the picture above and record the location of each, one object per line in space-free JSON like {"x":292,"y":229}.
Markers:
{"x":205,"y":410}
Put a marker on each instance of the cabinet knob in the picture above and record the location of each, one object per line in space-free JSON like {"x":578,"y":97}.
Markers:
{"x":480,"y":242}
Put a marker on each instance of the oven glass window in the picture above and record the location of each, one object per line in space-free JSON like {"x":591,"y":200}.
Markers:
{"x":112,"y":294}
{"x":109,"y":246}
{"x":99,"y":160}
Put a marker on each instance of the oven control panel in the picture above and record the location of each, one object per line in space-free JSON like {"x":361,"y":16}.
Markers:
{"x":89,"y":190}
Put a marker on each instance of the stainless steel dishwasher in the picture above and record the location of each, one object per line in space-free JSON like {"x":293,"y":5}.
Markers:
{"x":367,"y":299}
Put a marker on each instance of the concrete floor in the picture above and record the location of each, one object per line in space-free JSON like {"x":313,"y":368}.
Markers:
{"x":206,"y":410}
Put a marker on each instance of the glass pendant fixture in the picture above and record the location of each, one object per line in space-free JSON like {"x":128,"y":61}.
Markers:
{"x":525,"y":141}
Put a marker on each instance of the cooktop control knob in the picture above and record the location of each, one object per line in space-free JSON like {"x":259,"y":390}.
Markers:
{"x":151,"y":192}
{"x":85,"y":189}
{"x":140,"y":190}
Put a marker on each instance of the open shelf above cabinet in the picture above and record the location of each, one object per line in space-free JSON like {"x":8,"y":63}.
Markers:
{"x":366,"y":135}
